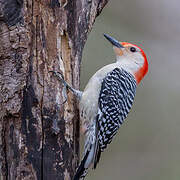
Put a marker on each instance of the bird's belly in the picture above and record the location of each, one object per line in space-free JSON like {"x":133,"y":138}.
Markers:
{"x":88,"y":110}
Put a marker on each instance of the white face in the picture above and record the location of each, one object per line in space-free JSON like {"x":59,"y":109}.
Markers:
{"x":130,"y":57}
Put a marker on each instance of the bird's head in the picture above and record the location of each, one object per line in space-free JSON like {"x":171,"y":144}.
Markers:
{"x":131,"y":57}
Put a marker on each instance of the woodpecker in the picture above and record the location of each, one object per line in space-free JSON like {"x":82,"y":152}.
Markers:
{"x":107,"y":99}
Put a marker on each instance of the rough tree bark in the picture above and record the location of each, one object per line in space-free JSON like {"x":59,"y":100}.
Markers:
{"x":39,"y":137}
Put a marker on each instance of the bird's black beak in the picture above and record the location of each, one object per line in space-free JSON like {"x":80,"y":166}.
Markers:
{"x":113,"y":41}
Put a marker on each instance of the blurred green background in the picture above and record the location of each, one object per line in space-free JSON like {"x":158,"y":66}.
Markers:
{"x":147,"y":146}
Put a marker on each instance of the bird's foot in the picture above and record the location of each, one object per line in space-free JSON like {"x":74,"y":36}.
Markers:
{"x":60,"y":77}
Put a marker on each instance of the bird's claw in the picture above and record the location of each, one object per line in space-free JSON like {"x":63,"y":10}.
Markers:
{"x":66,"y":85}
{"x":60,"y":76}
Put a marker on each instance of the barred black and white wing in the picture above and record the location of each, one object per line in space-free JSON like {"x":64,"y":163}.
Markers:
{"x":115,"y":100}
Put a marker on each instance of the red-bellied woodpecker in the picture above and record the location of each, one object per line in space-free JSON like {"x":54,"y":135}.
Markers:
{"x":107,"y":100}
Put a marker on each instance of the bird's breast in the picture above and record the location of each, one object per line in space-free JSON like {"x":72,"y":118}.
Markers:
{"x":88,"y":105}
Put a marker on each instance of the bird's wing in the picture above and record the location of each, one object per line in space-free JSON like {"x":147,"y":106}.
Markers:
{"x":115,"y":100}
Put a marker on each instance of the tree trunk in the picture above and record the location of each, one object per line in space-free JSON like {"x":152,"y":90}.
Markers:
{"x":39,"y":135}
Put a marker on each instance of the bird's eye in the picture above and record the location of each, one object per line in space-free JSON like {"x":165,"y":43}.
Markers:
{"x":133,"y":49}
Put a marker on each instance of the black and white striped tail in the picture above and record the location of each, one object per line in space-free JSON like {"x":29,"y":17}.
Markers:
{"x":81,"y":171}
{"x":92,"y":152}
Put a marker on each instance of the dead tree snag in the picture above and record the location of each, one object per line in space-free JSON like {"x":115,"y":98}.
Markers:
{"x":39,"y":137}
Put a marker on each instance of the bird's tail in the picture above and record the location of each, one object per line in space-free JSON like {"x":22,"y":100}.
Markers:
{"x":92,"y":153}
{"x":91,"y":157}
{"x":81,"y":171}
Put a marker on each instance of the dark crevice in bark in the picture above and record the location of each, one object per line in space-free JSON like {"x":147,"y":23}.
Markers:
{"x":54,"y":4}
{"x":43,"y":138}
{"x":51,"y":149}
{"x":76,"y":137}
{"x":5,"y":149}
{"x":29,"y":129}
